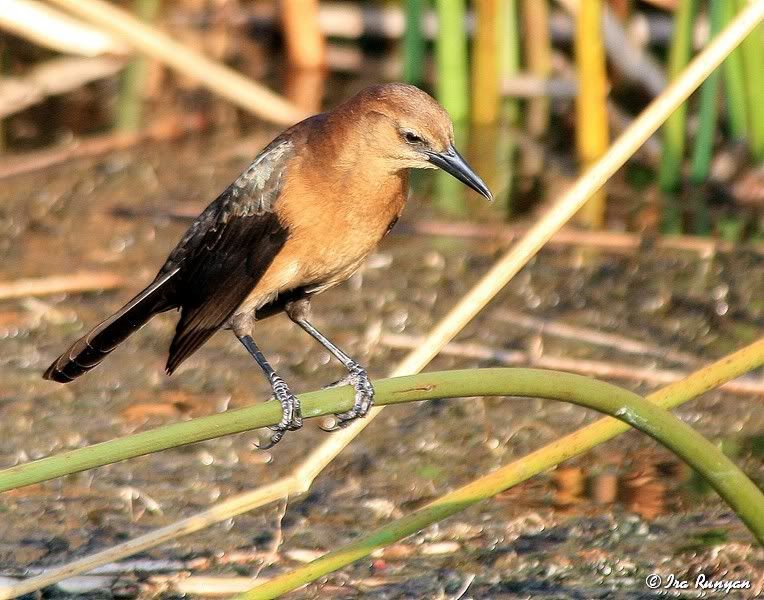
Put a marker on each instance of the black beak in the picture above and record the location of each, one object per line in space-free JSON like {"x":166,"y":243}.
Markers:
{"x":454,"y":164}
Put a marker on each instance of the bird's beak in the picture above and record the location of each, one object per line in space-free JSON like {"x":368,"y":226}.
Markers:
{"x":454,"y":164}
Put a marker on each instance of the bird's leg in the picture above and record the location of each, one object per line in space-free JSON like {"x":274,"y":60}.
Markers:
{"x":298,"y":311}
{"x":291,"y":418}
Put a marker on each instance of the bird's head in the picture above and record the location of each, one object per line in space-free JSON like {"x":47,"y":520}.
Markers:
{"x":407,"y":129}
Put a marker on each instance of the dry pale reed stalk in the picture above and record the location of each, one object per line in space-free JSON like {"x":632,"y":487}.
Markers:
{"x":60,"y":284}
{"x":148,"y":40}
{"x":50,"y":28}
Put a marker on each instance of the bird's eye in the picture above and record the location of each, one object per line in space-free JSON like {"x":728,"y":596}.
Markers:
{"x":412,"y":138}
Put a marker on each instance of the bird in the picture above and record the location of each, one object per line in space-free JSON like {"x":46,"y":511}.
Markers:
{"x":301,"y":218}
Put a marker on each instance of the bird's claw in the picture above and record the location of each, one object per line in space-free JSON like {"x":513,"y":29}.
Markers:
{"x":364,"y":398}
{"x":291,"y":416}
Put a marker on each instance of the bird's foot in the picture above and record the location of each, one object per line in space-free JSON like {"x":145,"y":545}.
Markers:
{"x":364,"y":397}
{"x":291,"y":417}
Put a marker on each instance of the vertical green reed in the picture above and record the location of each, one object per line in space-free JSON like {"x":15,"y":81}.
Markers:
{"x":592,"y":127}
{"x":674,"y":131}
{"x":505,"y":176}
{"x":537,"y":54}
{"x":734,"y":81}
{"x":509,"y":53}
{"x":451,"y":58}
{"x":413,"y":43}
{"x":730,"y":228}
{"x":130,"y":102}
{"x":709,"y":106}
{"x":752,"y":50}
{"x":671,"y":215}
{"x":484,"y":60}
{"x":450,"y":194}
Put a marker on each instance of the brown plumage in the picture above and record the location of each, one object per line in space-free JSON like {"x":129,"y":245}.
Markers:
{"x":300,"y":219}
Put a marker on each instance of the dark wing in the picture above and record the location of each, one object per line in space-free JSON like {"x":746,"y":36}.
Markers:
{"x":227,"y":250}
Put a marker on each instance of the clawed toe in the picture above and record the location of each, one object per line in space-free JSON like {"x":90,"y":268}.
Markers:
{"x":290,"y":405}
{"x":275,"y":439}
{"x":291,"y":417}
{"x":364,"y":398}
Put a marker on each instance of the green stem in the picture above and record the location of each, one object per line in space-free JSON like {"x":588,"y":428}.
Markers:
{"x":702,"y":455}
{"x":573,"y":444}
{"x":674,"y":130}
{"x":734,"y":81}
{"x":450,"y":193}
{"x":709,"y":106}
{"x":671,"y":214}
{"x":130,"y":101}
{"x":650,"y":418}
{"x":413,"y":43}
{"x":509,"y":52}
{"x":451,"y":58}
{"x":731,"y":228}
{"x":752,"y":50}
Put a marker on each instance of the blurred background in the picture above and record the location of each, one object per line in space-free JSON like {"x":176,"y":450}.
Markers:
{"x":509,"y":72}
{"x":115,"y":132}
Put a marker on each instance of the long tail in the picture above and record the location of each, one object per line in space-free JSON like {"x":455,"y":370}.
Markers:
{"x":88,"y":351}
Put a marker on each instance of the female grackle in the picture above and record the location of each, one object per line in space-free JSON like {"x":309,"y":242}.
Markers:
{"x":300,"y":219}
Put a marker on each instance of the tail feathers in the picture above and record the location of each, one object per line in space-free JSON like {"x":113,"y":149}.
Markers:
{"x":88,"y":352}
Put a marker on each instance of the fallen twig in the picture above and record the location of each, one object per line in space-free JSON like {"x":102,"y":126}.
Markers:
{"x":594,"y":368}
{"x":60,"y":284}
{"x":179,"y":582}
{"x":609,"y":240}
{"x":206,"y":585}
{"x":51,"y":78}
{"x":599,"y":338}
{"x":606,"y":240}
{"x":214,"y":75}
{"x":165,"y":129}
{"x":46,"y":26}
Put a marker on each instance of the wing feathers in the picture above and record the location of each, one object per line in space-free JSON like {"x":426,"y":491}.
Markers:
{"x":227,"y":251}
{"x":210,"y":272}
{"x":222,"y":284}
